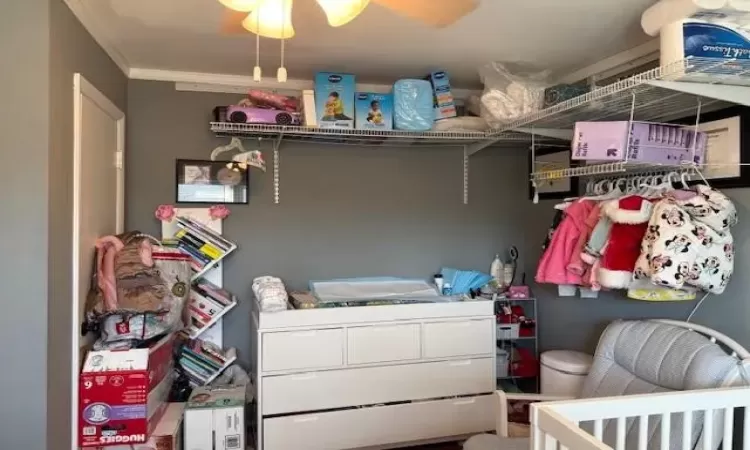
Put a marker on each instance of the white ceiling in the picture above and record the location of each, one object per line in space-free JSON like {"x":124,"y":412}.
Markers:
{"x":379,"y":46}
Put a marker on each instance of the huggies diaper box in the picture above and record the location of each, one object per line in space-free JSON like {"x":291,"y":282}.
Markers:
{"x":374,"y":111}
{"x":334,"y":100}
{"x":123,"y":394}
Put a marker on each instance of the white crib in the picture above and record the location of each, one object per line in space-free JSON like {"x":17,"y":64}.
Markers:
{"x":557,"y":424}
{"x":681,"y":358}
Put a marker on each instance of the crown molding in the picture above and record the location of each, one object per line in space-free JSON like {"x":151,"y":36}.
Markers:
{"x":84,"y":15}
{"x":238,"y":84}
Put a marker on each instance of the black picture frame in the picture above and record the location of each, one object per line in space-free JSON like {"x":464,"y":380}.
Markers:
{"x":214,"y":182}
{"x":743,"y":113}
{"x":572,"y":190}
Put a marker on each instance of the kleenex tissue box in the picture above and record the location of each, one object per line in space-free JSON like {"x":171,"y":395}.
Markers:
{"x":641,"y":142}
{"x":373,"y":111}
{"x":445,"y":105}
{"x":334,"y":99}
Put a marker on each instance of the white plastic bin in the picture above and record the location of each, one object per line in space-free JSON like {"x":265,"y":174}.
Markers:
{"x":563,"y":372}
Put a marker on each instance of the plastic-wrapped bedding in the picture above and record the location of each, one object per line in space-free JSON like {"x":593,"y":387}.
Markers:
{"x":508,"y":94}
{"x":413,"y":105}
{"x":270,"y":293}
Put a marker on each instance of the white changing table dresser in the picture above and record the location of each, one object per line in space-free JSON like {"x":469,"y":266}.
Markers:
{"x":374,"y":376}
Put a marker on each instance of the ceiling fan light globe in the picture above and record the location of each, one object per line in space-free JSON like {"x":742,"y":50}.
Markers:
{"x":271,"y":19}
{"x":240,"y":5}
{"x":341,"y":12}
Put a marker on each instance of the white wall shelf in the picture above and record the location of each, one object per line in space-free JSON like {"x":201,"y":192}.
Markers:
{"x":682,"y":89}
{"x":397,"y":138}
{"x":391,"y":138}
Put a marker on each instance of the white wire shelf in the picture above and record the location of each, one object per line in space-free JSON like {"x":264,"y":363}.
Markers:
{"x":368,"y":137}
{"x":653,"y":95}
{"x":609,"y":169}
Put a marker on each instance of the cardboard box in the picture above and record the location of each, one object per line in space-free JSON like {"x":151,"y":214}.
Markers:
{"x":309,"y":117}
{"x":445,"y":105}
{"x":215,"y":419}
{"x":373,"y":111}
{"x":167,"y":434}
{"x":334,"y":99}
{"x":123,"y":394}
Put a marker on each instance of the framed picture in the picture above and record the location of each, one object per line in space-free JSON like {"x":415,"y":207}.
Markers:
{"x":552,"y":158}
{"x":728,"y":146}
{"x":213,"y":182}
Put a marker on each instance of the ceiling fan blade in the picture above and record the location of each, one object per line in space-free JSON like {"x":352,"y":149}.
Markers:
{"x":231,"y":23}
{"x":438,"y":13}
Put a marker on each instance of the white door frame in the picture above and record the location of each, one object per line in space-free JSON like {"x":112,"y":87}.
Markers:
{"x":81,"y":88}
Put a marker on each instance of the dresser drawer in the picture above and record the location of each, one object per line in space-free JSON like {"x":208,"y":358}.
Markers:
{"x":331,"y":389}
{"x":383,"y":425}
{"x":458,"y":338}
{"x":309,"y":349}
{"x":382,"y":343}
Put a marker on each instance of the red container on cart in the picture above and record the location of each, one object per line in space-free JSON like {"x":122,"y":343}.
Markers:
{"x":123,"y":394}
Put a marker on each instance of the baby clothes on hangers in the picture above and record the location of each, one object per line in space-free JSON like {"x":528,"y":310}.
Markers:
{"x":689,"y":242}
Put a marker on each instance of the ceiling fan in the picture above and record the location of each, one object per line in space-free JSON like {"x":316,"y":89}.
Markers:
{"x":273,"y":18}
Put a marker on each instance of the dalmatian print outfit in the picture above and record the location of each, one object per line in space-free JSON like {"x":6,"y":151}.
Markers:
{"x":688,"y":242}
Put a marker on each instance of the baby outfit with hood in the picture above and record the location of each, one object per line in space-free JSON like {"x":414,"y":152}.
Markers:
{"x":629,"y":217}
{"x":565,"y":246}
{"x":688,"y":243}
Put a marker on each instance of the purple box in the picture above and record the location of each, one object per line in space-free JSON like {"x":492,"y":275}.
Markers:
{"x":649,"y":142}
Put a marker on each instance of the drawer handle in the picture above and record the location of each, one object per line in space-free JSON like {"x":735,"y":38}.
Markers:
{"x":465,"y":402}
{"x":305,"y":419}
{"x":303,"y":377}
{"x":460,"y":363}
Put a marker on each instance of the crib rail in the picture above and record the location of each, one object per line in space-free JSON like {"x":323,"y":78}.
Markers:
{"x":558,"y":425}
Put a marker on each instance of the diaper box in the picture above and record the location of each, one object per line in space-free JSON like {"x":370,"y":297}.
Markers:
{"x":642,"y":142}
{"x":215,"y":419}
{"x":373,"y":111}
{"x":167,"y":434}
{"x":334,"y":99}
{"x":445,"y":105}
{"x":123,"y":394}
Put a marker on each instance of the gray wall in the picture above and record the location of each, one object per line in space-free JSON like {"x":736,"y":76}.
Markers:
{"x":344,"y":212}
{"x":44,"y":45}
{"x":24,"y":152}
{"x":72,"y":50}
{"x":355,"y":211}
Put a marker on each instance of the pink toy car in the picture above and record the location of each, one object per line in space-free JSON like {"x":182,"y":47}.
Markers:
{"x":248,"y":114}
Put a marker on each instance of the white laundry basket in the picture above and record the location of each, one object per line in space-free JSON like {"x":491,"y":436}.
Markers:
{"x":563,"y":372}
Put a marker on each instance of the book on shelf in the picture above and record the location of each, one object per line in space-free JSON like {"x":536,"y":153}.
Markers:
{"x":210,"y":290}
{"x":202,"y":361}
{"x":203,"y":244}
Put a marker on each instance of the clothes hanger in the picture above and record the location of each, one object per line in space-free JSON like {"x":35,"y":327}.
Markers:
{"x":243,"y":159}
{"x":234,"y":144}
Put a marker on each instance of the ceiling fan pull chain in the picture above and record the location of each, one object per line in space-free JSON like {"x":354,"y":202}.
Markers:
{"x":257,"y":75}
{"x":281,"y":73}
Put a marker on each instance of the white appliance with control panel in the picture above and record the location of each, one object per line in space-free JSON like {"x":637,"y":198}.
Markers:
{"x":357,"y":377}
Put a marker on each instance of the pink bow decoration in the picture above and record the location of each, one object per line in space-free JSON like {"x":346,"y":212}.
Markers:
{"x":165,"y":213}
{"x":218,"y":212}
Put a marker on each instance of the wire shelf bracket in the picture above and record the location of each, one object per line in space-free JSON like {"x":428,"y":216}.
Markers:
{"x":726,"y":92}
